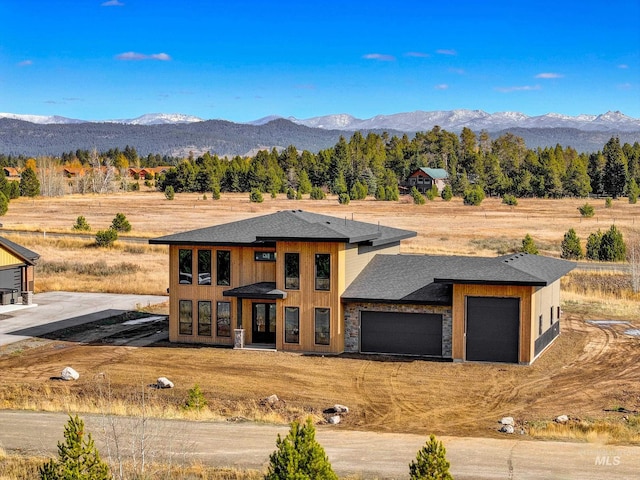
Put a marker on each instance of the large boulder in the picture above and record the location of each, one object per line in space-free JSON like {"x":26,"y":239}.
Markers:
{"x":270,"y":400}
{"x":507,"y":429}
{"x":334,"y":419}
{"x":69,"y":373}
{"x":507,"y":421}
{"x":164,"y":382}
{"x":562,"y":419}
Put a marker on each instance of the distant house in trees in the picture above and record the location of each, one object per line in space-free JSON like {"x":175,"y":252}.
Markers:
{"x":425,"y":178}
{"x":73,"y":172}
{"x":11,"y":173}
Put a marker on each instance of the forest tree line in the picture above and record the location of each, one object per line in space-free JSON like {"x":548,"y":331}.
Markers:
{"x":363,"y":165}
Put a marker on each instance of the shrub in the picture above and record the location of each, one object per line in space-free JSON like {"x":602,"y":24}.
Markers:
{"x":612,"y":246}
{"x":195,"y":400}
{"x":447,"y":193}
{"x":215,"y":192}
{"x":358,"y":191}
{"x":392,"y":193}
{"x":106,"y":238}
{"x":169,"y":193}
{"x":607,"y":202}
{"x":432,"y":193}
{"x":274,"y":193}
{"x":78,"y":457}
{"x":509,"y":199}
{"x":586,"y":210}
{"x":256,"y":196}
{"x":473,"y":195}
{"x":418,"y":198}
{"x":291,"y":194}
{"x":431,"y":462}
{"x":317,"y":194}
{"x":344,"y":199}
{"x":299,"y":195}
{"x":593,"y":245}
{"x":13,"y":190}
{"x":4,"y":204}
{"x":81,"y":224}
{"x":528,"y":245}
{"x":134,"y":187}
{"x":299,"y":456}
{"x":120,"y":223}
{"x":570,"y":246}
{"x":381,"y":193}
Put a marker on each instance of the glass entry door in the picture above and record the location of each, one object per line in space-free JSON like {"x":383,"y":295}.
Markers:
{"x":264,"y":323}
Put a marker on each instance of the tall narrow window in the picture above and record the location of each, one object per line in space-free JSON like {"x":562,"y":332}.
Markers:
{"x":204,"y":267}
{"x":551,"y":317}
{"x":292,"y":325}
{"x":185,"y":326}
{"x":323,"y":271}
{"x":185,"y":266}
{"x":223,"y":267}
{"x":292,"y":271}
{"x":204,"y":319}
{"x":223,"y":319}
{"x":540,"y":325}
{"x":322,"y":326}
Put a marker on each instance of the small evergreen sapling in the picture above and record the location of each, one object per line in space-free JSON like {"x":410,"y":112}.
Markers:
{"x":81,"y":224}
{"x":431,"y":462}
{"x":78,"y":457}
{"x":418,"y":198}
{"x":299,"y":456}
{"x":571,"y":248}
{"x":120,"y":223}
{"x":528,"y":245}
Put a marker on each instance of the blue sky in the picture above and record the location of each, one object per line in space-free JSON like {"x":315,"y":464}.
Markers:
{"x":241,"y":59}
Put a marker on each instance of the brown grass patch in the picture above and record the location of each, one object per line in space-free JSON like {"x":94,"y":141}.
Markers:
{"x":622,"y":429}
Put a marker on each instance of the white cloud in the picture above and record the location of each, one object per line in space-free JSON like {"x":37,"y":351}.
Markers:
{"x":112,"y":3}
{"x":549,"y":75}
{"x":379,"y":56}
{"x":417,"y":54}
{"x":523,"y":88}
{"x":25,"y":63}
{"x":141,"y":56}
{"x":444,"y":51}
{"x":442,"y":86}
{"x":623,"y":66}
{"x":459,"y":71}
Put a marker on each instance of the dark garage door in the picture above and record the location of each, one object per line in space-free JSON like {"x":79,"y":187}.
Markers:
{"x":493,"y":329}
{"x":401,"y":333}
{"x":11,"y":279}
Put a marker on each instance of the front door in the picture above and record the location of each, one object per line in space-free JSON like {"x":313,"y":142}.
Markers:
{"x":264,"y":323}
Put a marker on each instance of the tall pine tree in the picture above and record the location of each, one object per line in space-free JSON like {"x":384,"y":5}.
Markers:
{"x":615,"y":168}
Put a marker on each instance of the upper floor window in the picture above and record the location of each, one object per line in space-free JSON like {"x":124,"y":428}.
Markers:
{"x":292,"y":271}
{"x":323,"y":271}
{"x":204,"y":267}
{"x":185,"y":267}
{"x":223,"y":267}
{"x":264,"y":256}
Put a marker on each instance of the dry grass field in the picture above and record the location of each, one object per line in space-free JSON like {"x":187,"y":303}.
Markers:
{"x":590,"y":369}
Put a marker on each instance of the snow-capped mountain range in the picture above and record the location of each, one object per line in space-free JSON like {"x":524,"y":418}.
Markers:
{"x":452,"y":120}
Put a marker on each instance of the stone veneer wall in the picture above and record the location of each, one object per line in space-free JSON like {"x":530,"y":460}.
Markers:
{"x":352,"y":322}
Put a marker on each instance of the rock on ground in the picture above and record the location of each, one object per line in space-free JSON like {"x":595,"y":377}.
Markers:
{"x":164,"y":382}
{"x":69,"y":373}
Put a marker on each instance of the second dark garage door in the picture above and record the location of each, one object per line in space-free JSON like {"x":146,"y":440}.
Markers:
{"x":493,"y":329}
{"x":401,"y":333}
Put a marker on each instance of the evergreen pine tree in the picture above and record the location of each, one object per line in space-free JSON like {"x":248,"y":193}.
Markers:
{"x":431,"y":462}
{"x":78,"y":458}
{"x":447,"y":193}
{"x":304,"y":184}
{"x":612,"y":246}
{"x":593,"y":245}
{"x":4,"y":204}
{"x":571,"y":248}
{"x":528,"y":245}
{"x":633,"y":191}
{"x":418,"y":198}
{"x":615,"y":169}
{"x":299,"y":456}
{"x":29,"y":183}
{"x":120,"y":223}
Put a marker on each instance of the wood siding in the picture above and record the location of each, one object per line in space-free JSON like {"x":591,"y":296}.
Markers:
{"x":461,"y":291}
{"x":544,"y":300}
{"x":244,"y":270}
{"x":8,"y":259}
{"x":357,"y":257}
{"x":307,"y":298}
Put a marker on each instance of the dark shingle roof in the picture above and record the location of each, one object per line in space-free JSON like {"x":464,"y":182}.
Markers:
{"x":30,"y":257}
{"x":428,"y":279}
{"x":288,"y":225}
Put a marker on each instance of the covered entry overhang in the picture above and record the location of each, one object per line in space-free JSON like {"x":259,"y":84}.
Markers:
{"x":256,"y":314}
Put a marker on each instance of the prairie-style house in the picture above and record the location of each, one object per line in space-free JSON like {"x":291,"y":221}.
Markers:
{"x":304,"y":282}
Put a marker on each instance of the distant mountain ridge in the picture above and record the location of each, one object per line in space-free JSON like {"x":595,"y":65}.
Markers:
{"x":178,"y":134}
{"x":417,"y":121}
